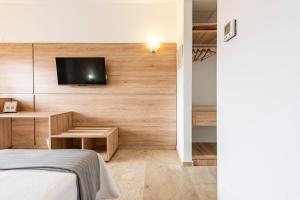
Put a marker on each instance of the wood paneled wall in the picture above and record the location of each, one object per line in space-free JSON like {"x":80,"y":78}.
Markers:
{"x":5,"y":133}
{"x":131,"y":68}
{"x":16,"y":68}
{"x":15,"y":134}
{"x":16,"y":74}
{"x":25,"y":101}
{"x":139,"y":99}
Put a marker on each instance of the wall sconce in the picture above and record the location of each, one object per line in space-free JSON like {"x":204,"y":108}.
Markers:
{"x":153,"y":45}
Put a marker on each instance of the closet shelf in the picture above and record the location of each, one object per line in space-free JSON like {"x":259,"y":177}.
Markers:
{"x":205,"y":26}
{"x":204,"y":154}
{"x":205,"y":33}
{"x":204,"y":41}
{"x":204,"y":115}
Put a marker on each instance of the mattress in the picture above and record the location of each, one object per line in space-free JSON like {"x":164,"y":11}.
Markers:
{"x":50,"y":185}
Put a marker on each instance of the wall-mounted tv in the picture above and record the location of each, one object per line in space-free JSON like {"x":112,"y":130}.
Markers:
{"x":81,"y":71}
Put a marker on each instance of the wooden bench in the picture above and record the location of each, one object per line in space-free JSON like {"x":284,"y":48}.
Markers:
{"x":102,"y":140}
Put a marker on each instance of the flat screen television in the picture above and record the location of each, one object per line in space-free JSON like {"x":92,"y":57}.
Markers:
{"x":81,"y":71}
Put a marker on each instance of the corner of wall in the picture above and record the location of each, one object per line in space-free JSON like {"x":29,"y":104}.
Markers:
{"x":184,"y":81}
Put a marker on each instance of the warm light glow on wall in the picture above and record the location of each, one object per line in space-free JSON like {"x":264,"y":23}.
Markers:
{"x":153,"y":45}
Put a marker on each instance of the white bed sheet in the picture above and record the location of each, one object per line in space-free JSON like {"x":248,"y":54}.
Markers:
{"x":50,"y":185}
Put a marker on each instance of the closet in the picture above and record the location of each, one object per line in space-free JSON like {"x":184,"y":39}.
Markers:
{"x":204,"y":113}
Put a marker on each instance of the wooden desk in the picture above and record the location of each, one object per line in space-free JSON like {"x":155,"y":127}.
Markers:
{"x":31,"y":129}
{"x":53,"y":130}
{"x":31,"y":114}
{"x":204,"y":116}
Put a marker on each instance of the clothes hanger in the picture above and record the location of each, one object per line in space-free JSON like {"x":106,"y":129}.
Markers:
{"x":202,"y":53}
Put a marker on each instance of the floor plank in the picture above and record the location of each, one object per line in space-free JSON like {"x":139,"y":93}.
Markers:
{"x":158,"y":175}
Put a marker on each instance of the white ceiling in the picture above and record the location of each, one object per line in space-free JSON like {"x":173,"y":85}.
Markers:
{"x":197,"y":4}
{"x":86,"y":1}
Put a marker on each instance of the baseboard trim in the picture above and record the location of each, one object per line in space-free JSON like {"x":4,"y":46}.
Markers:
{"x":184,"y":163}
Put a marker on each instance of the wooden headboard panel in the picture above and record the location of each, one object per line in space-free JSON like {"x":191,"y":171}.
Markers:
{"x":140,"y":97}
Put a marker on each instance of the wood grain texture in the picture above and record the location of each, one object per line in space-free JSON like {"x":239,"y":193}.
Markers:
{"x":158,"y":175}
{"x":16,"y":68}
{"x":112,"y":144}
{"x":2,"y":101}
{"x":88,"y":136}
{"x":205,"y":26}
{"x":5,"y":133}
{"x":148,"y":147}
{"x":204,"y":116}
{"x":58,"y":124}
{"x":204,"y":162}
{"x":204,"y":154}
{"x":131,"y":68}
{"x":82,"y":132}
{"x":25,"y":101}
{"x":22,"y":115}
{"x":204,"y":33}
{"x":22,"y":133}
{"x":140,"y":97}
{"x":42,"y":133}
{"x":88,"y":143}
{"x":141,"y":119}
{"x":64,"y":143}
{"x":204,"y":37}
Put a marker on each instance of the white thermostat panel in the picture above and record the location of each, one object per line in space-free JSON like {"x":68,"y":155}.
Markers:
{"x":230,"y":30}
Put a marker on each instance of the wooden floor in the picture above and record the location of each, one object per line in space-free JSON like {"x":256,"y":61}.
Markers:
{"x":158,"y":175}
{"x":205,"y":154}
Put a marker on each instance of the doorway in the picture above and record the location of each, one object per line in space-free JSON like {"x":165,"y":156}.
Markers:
{"x":204,"y":134}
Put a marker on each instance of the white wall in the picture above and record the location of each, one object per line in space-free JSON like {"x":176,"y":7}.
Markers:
{"x":259,"y":101}
{"x":184,"y":81}
{"x":205,"y":134}
{"x":205,"y":82}
{"x":87,"y":21}
{"x":205,"y":93}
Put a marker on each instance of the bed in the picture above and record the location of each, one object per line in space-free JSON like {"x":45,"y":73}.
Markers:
{"x":21,"y":177}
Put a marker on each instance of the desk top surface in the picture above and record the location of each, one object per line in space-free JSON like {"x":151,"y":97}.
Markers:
{"x":30,"y":114}
{"x":86,"y":132}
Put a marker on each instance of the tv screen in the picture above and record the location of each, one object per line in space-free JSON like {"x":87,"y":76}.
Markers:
{"x":81,"y":71}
